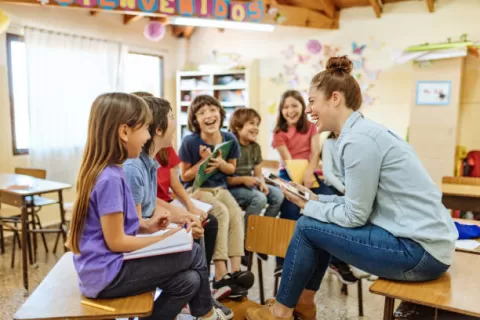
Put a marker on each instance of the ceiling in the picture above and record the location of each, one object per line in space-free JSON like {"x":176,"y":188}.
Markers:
{"x":319,"y":14}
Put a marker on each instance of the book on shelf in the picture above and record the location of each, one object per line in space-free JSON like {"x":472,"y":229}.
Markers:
{"x":202,"y":176}
{"x":179,"y":242}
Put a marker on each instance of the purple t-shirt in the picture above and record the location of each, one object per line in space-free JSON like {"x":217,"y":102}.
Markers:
{"x":96,"y":265}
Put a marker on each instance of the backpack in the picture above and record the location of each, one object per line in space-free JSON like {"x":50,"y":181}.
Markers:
{"x":471,"y":164}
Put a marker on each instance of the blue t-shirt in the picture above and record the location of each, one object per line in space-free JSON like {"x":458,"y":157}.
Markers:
{"x":190,"y":153}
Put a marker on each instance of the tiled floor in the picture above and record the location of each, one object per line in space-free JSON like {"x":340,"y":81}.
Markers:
{"x":331,"y":304}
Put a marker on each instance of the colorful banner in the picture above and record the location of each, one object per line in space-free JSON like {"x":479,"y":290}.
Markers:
{"x":218,"y":9}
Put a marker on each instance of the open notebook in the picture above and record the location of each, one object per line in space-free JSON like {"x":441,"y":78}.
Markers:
{"x":179,"y":242}
{"x":205,"y":207}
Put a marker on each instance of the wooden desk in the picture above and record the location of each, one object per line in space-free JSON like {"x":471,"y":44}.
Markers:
{"x":25,"y":200}
{"x":470,"y":222}
{"x":58,"y":297}
{"x":456,"y":291}
{"x":461,"y":193}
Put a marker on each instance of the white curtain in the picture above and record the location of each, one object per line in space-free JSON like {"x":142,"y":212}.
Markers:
{"x":66,"y":73}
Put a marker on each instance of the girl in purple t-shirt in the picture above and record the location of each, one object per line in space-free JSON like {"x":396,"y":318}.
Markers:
{"x":105,"y":222}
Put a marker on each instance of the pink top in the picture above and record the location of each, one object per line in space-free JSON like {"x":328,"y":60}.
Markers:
{"x":298,"y":144}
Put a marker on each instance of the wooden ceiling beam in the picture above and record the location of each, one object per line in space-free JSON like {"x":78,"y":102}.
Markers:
{"x":431,"y":5}
{"x":187,"y":33}
{"x":131,"y":18}
{"x":376,"y":7}
{"x":302,"y":17}
{"x":327,"y":6}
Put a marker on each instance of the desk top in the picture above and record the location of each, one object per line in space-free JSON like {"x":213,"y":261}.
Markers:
{"x":58,"y":297}
{"x":461,"y":186}
{"x":456,"y":291}
{"x":36,"y":186}
{"x":470,"y":222}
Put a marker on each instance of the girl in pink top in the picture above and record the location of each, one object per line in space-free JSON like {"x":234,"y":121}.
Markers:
{"x":297,"y":138}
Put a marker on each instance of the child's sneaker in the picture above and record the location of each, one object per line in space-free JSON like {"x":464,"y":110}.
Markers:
{"x":217,"y":315}
{"x":244,"y":278}
{"x":226,"y":311}
{"x":221,"y":293}
{"x":229,"y":281}
{"x":343,"y":272}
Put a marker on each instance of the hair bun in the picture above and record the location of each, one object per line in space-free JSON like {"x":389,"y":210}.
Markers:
{"x":340,"y":64}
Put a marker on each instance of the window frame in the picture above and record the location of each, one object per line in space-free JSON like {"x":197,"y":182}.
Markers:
{"x":161,"y":72}
{"x":11,"y":38}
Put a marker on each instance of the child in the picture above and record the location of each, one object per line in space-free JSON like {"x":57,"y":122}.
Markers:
{"x":297,"y":138}
{"x":331,"y":165}
{"x":105,"y":222}
{"x":205,"y":118}
{"x":248,"y":186}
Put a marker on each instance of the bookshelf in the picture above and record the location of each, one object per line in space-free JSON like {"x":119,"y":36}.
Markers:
{"x":230,"y":87}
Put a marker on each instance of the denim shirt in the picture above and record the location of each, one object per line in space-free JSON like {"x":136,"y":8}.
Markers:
{"x":141,"y":176}
{"x":387,"y":186}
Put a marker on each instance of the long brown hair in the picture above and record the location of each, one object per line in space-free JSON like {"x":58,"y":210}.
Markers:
{"x":337,"y":77}
{"x":303,"y":124}
{"x":103,"y":147}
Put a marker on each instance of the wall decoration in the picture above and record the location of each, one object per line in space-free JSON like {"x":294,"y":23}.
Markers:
{"x":433,"y":93}
{"x":356,"y":49}
{"x":289,"y":53}
{"x":154,"y":30}
{"x":376,"y":45}
{"x":303,"y":58}
{"x":314,"y":46}
{"x":329,"y":51}
{"x":4,"y":21}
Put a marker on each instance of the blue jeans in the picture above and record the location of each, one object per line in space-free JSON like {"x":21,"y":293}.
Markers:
{"x":253,"y":201}
{"x":290,"y":210}
{"x":368,"y":248}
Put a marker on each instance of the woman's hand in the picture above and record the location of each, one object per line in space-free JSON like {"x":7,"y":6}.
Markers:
{"x":215,"y":163}
{"x":299,"y":201}
{"x":308,"y":178}
{"x":311,"y":195}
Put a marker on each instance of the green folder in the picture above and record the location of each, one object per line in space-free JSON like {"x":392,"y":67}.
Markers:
{"x":201,"y":175}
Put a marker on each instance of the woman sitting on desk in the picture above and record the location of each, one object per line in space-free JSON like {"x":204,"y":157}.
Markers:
{"x":391,"y":221}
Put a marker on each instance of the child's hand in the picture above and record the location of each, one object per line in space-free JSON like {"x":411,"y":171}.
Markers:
{"x":215,"y":163}
{"x":159,"y":220}
{"x":264,"y":188}
{"x":308,"y":179}
{"x":199,"y":213}
{"x":204,"y":152}
{"x":197,"y":229}
{"x":250,"y":182}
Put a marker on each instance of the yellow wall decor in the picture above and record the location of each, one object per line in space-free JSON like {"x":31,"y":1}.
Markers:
{"x":4,"y":21}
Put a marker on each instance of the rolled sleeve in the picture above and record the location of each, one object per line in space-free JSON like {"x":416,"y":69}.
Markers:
{"x":134,"y":179}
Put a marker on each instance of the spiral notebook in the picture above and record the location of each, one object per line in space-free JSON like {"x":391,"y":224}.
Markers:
{"x":178,"y":242}
{"x":201,"y":175}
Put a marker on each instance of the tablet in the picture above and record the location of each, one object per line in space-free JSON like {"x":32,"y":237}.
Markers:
{"x":279,"y":182}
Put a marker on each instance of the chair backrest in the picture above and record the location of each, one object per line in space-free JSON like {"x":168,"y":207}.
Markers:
{"x":36,"y":173}
{"x":269,"y":235}
{"x":58,"y":297}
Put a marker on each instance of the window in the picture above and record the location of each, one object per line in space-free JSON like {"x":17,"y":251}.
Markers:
{"x":18,"y":84}
{"x":144,"y":73}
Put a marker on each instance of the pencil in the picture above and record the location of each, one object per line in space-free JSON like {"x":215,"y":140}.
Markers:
{"x":96,"y":305}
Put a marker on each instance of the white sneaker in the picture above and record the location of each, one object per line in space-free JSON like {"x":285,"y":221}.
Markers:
{"x":217,"y":315}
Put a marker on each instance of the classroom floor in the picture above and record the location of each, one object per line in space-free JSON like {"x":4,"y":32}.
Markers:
{"x":331,"y":304}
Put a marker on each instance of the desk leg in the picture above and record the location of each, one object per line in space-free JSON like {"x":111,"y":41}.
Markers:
{"x":62,"y":219}
{"x":25,"y":247}
{"x":388,"y":310}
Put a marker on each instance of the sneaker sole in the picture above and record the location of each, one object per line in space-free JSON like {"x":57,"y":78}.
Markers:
{"x":246,"y":280}
{"x":223,"y":292}
{"x":348,"y":283}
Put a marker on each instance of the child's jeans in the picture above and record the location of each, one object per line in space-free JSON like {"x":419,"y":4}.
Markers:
{"x":183,"y":278}
{"x":253,"y":201}
{"x":231,"y":235}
